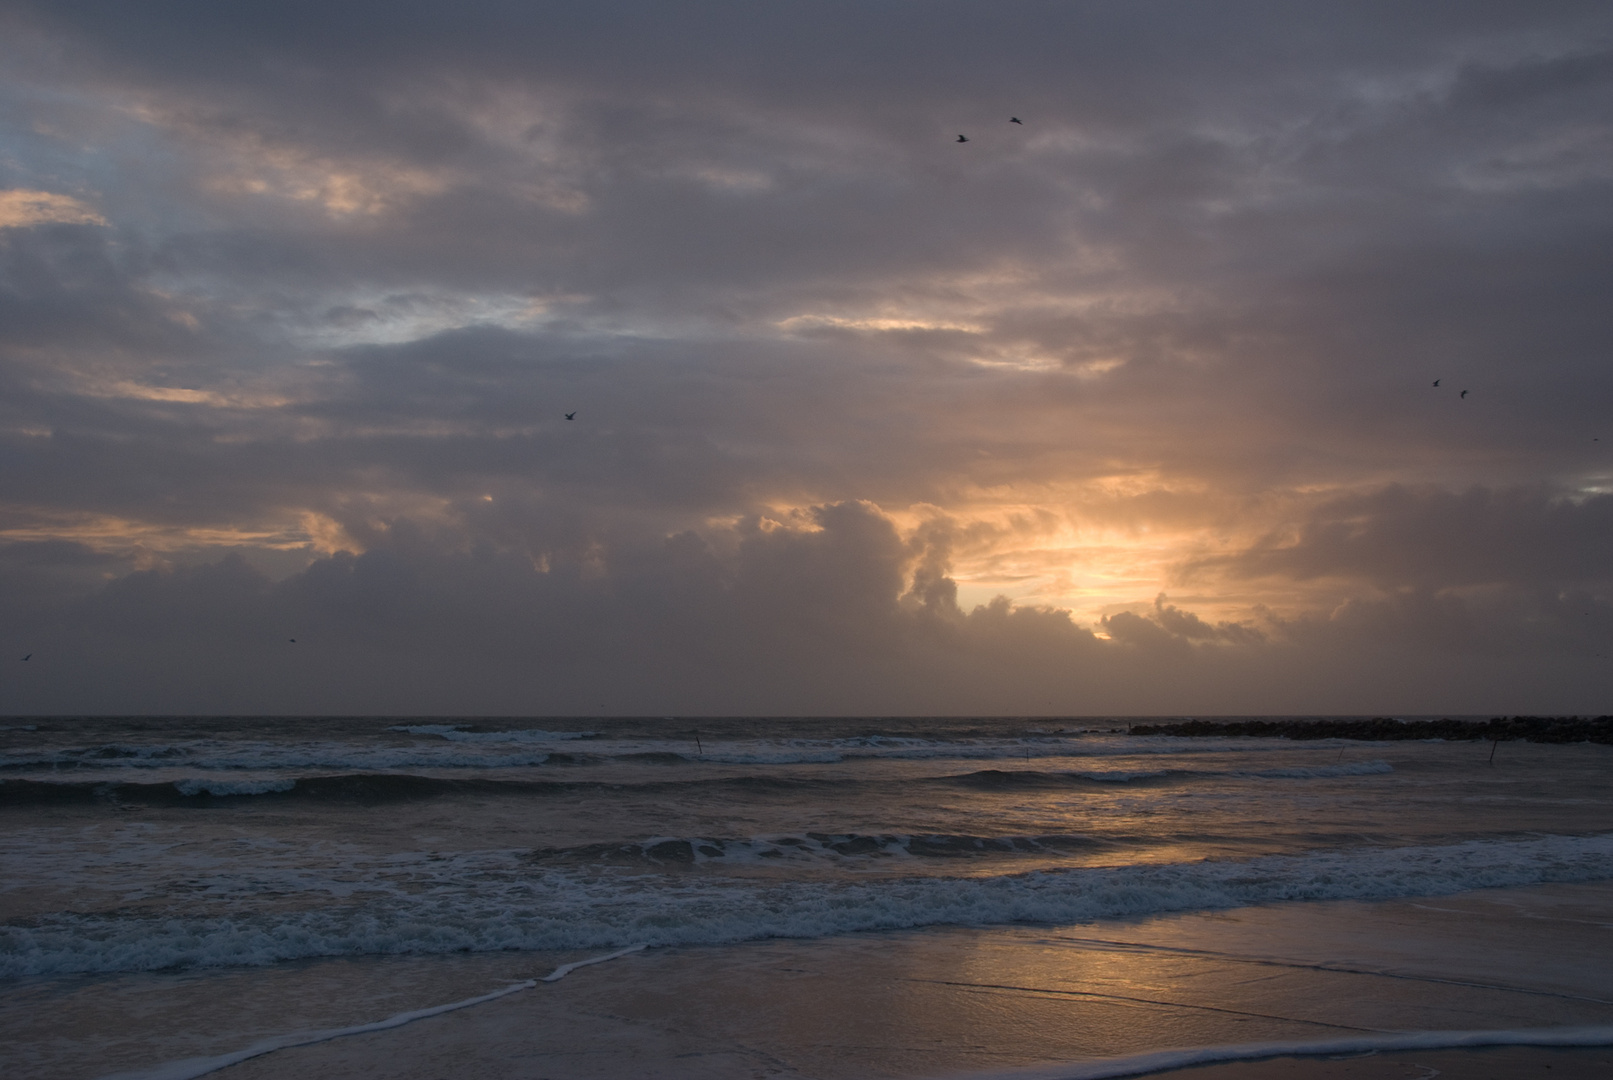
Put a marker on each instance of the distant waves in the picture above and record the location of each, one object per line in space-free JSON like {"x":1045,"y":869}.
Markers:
{"x":389,"y":786}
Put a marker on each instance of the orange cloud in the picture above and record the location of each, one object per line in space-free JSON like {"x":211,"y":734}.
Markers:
{"x":21,"y":209}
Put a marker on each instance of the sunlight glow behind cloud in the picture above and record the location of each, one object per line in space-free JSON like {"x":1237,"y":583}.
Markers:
{"x":1136,"y":395}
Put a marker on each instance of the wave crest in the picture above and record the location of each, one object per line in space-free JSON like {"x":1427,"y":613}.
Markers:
{"x":513,"y":905}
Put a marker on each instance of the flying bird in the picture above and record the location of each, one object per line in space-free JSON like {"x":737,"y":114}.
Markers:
{"x":294,"y":641}
{"x":1464,"y":393}
{"x":1016,"y":120}
{"x":963,"y":138}
{"x":26,"y":657}
{"x":571,"y":416}
{"x":1436,"y":382}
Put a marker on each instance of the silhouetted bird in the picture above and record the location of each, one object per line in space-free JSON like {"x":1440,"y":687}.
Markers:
{"x":294,"y":641}
{"x":962,"y":138}
{"x":26,"y":657}
{"x":571,"y":416}
{"x":1016,"y":120}
{"x":1436,"y":382}
{"x":1464,"y":393}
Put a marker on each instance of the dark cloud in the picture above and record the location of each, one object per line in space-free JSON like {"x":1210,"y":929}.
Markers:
{"x":310,"y":289}
{"x":1430,"y":539}
{"x":813,"y":617}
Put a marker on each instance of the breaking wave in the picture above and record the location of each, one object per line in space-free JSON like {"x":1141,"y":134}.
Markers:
{"x":494,"y":901}
{"x":810,"y":845}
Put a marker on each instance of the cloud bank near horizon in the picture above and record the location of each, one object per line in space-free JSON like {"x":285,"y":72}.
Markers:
{"x":1125,"y":409}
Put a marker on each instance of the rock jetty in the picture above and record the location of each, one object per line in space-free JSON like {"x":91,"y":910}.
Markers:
{"x":1541,"y":729}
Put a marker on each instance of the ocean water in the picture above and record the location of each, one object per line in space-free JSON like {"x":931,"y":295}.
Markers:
{"x":192,"y":846}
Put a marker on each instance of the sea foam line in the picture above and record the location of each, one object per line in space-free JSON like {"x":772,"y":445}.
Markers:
{"x":189,"y":1068}
{"x":566,"y":969}
{"x":1167,"y":1060}
{"x":472,"y":905}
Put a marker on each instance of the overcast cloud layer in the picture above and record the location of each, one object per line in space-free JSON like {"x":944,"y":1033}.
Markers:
{"x":1127,"y":408}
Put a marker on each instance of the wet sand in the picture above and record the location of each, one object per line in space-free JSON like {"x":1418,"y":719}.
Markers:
{"x":940,"y":1003}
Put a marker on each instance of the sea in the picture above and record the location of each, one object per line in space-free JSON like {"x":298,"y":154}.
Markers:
{"x":183,"y":855}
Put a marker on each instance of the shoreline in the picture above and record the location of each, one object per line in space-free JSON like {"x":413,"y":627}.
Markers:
{"x":1013,"y":1003}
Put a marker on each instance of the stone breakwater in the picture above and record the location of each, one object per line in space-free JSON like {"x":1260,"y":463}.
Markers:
{"x":1542,"y":729}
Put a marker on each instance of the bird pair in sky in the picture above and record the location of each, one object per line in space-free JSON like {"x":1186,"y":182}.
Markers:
{"x":1011,"y":120}
{"x":1463,"y":394}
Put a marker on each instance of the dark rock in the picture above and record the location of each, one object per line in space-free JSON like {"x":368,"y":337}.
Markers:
{"x":1542,"y":729}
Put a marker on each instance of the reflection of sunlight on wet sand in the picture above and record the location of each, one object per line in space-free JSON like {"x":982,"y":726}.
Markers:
{"x":1306,"y":971}
{"x":948,"y":1002}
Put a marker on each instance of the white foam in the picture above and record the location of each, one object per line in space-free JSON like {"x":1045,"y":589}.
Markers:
{"x":489,"y":901}
{"x":105,"y":755}
{"x":566,"y":969}
{"x":190,"y":1068}
{"x":232,"y":787}
{"x":457,"y":733}
{"x":263,"y":756}
{"x":1166,"y":1060}
{"x":777,"y":848}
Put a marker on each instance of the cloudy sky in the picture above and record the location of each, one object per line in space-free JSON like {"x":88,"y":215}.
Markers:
{"x":1127,"y":408}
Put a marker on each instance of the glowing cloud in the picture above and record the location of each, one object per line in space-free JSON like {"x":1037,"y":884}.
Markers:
{"x":22,"y":209}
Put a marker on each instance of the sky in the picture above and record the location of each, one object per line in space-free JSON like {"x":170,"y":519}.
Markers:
{"x":1265,"y":366}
